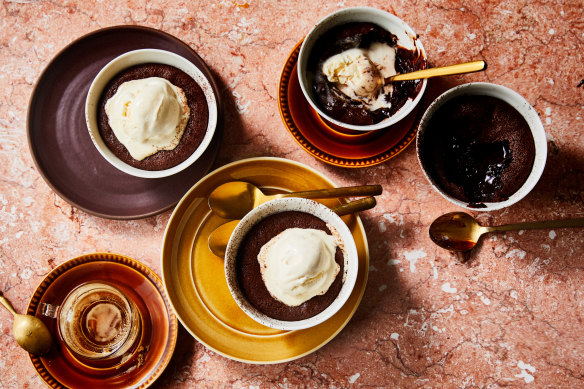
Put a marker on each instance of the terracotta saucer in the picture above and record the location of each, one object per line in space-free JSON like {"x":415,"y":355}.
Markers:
{"x":332,"y":144}
{"x":60,"y":143}
{"x":59,"y":369}
{"x":195,"y":279}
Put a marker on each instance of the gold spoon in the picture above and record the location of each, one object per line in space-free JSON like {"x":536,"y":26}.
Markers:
{"x":219,"y":238}
{"x":29,"y":332}
{"x":467,"y":67}
{"x":459,"y":231}
{"x":233,"y":200}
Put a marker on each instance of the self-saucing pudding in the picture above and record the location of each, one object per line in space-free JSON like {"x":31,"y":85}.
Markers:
{"x":349,"y":64}
{"x":478,"y":149}
{"x":152,"y":116}
{"x":291,"y":265}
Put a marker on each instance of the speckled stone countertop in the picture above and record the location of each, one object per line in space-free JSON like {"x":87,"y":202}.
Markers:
{"x":511,"y":316}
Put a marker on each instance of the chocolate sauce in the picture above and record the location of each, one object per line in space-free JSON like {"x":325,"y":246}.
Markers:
{"x":360,"y":35}
{"x":478,"y":149}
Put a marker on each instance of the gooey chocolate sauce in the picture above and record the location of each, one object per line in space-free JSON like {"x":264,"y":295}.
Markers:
{"x":478,"y":149}
{"x":361,"y":35}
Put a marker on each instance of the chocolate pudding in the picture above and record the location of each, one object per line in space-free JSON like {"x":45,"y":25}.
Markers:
{"x":478,"y":149}
{"x":367,"y":37}
{"x":194,"y":131}
{"x":249,"y":275}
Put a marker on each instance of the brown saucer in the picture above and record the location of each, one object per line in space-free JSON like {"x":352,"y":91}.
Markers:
{"x":332,"y":144}
{"x":59,"y":369}
{"x":60,"y":144}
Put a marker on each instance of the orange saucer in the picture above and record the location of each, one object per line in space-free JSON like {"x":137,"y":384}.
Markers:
{"x":331,"y":144}
{"x":59,"y":369}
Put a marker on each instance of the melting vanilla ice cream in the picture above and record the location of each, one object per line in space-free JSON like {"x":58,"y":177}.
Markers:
{"x":148,"y":115}
{"x":298,"y":264}
{"x":353,"y":72}
{"x":360,"y":73}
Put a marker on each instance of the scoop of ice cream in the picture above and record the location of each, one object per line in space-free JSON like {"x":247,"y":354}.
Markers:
{"x":148,"y":115}
{"x":360,"y":73}
{"x":298,"y":264}
{"x":353,"y":72}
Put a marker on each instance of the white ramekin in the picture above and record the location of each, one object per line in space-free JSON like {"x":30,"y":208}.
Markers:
{"x":406,"y":38}
{"x":282,"y":205}
{"x":137,"y":57}
{"x":516,"y":101}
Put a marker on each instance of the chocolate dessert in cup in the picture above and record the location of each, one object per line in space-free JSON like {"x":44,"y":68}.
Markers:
{"x":291,"y":263}
{"x":344,"y":61}
{"x":151,"y":113}
{"x":482,"y":146}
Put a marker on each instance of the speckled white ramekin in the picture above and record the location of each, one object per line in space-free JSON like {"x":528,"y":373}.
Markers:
{"x":282,"y":205}
{"x":138,"y":57}
{"x":516,"y":101}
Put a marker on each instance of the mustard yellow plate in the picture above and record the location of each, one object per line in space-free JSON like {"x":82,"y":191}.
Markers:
{"x":195,"y":280}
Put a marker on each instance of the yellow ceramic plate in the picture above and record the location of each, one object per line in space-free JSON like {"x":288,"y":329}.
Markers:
{"x":195,"y":280}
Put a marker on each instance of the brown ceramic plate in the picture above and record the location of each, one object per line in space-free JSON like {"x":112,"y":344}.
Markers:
{"x":60,"y":144}
{"x":59,"y":370}
{"x":330,"y":143}
{"x":195,"y":278}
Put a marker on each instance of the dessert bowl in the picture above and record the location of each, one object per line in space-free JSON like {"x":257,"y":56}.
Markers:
{"x":140,"y":57}
{"x":463,"y":93}
{"x":406,"y":38}
{"x":334,"y":223}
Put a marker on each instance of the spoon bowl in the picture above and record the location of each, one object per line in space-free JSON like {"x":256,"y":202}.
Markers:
{"x":29,"y":332}
{"x":456,"y":231}
{"x":459,"y":231}
{"x":219,"y":238}
{"x":234,"y":199}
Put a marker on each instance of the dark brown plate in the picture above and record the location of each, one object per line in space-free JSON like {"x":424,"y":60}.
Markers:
{"x":60,"y":144}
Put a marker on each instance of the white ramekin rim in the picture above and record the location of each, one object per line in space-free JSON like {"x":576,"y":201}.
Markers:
{"x":137,"y":57}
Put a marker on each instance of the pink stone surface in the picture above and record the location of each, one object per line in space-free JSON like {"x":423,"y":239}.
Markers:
{"x":511,"y":316}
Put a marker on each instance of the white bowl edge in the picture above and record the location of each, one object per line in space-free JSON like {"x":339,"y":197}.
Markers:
{"x":523,"y":107}
{"x":383,"y":19}
{"x":136,"y":57}
{"x":282,"y":205}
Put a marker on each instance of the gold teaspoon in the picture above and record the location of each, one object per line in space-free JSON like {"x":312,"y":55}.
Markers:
{"x":467,"y":67}
{"x":233,"y":200}
{"x":219,"y":238}
{"x":459,"y":231}
{"x":29,"y":332}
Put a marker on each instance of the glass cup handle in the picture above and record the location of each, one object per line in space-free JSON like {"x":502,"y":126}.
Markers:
{"x":49,"y":310}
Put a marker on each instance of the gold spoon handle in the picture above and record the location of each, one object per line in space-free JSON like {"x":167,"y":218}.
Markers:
{"x":7,"y":305}
{"x":363,"y":190}
{"x":467,"y":67}
{"x":565,"y":223}
{"x":218,"y":238}
{"x":355,"y":206}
